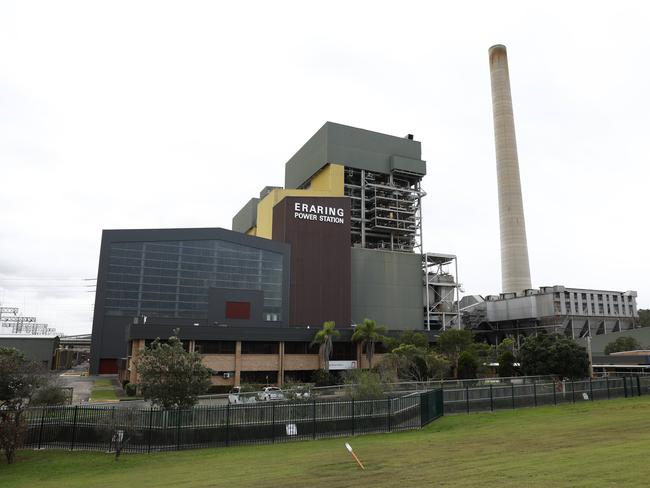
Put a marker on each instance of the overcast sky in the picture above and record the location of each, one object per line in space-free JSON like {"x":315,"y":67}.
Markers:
{"x":157,"y":114}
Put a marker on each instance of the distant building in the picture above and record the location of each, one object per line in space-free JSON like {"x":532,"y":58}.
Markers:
{"x":38,"y":348}
{"x":574,"y":312}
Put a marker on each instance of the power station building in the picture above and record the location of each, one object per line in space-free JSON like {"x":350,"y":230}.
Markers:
{"x":342,"y":241}
{"x":574,"y":312}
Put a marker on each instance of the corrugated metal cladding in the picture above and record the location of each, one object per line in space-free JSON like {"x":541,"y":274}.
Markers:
{"x":387,"y":287}
{"x":318,"y":229}
{"x":246,"y":217}
{"x":353,"y":148}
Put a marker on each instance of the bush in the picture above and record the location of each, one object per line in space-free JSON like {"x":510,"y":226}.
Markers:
{"x":323,"y":378}
{"x":365,"y":385}
{"x":219,"y":389}
{"x":467,"y":365}
{"x":131,"y":389}
{"x":507,"y":364}
{"x":623,"y":344}
{"x":49,"y":395}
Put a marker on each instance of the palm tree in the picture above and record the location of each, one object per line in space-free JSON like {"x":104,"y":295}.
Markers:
{"x":324,"y":338}
{"x":368,"y":334}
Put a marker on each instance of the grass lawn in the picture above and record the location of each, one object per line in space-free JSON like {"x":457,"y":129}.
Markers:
{"x":103,"y":390}
{"x":584,"y":445}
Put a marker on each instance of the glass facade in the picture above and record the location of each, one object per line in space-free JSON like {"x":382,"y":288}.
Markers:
{"x":172,"y":278}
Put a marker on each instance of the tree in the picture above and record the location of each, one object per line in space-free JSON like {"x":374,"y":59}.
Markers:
{"x":324,"y":339}
{"x":553,"y":354}
{"x":506,"y":362}
{"x":368,"y":334}
{"x":365,"y":385}
{"x":623,"y":344}
{"x":170,"y":376}
{"x":452,"y":343}
{"x":417,"y":339}
{"x":413,"y":363}
{"x":20,"y":379}
{"x":644,"y":317}
{"x":468,"y":365}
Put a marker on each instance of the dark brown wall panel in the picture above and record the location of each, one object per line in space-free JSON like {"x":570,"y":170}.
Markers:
{"x":318,"y":229}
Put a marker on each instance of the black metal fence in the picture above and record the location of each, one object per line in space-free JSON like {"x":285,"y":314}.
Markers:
{"x":139,"y":430}
{"x":499,"y":396}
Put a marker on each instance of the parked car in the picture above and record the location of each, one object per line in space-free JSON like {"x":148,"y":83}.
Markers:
{"x":233,"y":395}
{"x":271,"y":393}
{"x":236,"y":396}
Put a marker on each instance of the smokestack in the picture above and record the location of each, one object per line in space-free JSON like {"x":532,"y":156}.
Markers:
{"x":515,"y":270}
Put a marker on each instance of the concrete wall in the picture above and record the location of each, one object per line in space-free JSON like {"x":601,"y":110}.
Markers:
{"x":387,"y":287}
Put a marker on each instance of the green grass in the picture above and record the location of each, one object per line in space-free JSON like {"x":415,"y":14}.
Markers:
{"x":103,"y":390}
{"x":596,"y":444}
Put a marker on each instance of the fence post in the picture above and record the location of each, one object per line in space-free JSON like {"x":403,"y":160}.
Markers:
{"x":352,"y":416}
{"x":390,"y":413}
{"x":591,"y":389}
{"x":74,"y":427}
{"x":273,"y":423}
{"x":40,"y":430}
{"x":638,"y":385}
{"x":625,"y":385}
{"x":534,"y":393}
{"x":491,"y":400}
{"x":513,"y":395}
{"x":467,"y":398}
{"x":573,"y":391}
{"x":178,"y":429}
{"x":314,"y":419}
{"x":554,"y":393}
{"x":607,"y":384}
{"x":228,"y":425}
{"x":150,"y":426}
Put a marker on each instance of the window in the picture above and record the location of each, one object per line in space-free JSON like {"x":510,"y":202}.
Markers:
{"x":238,"y":310}
{"x":172,"y":278}
{"x":344,"y":351}
{"x":300,"y":348}
{"x":214,"y":347}
{"x":259,"y":347}
{"x":148,"y":342}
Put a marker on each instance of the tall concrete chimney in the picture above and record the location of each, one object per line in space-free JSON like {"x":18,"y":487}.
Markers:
{"x":515,"y":270}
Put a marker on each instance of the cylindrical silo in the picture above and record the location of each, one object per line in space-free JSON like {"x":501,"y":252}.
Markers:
{"x":515,"y":270}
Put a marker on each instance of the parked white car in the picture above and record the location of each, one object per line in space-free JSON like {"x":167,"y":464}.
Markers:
{"x":271,"y":393}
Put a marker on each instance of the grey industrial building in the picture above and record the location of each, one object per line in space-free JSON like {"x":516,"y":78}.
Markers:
{"x":341,"y":241}
{"x":574,"y":312}
{"x":38,"y":348}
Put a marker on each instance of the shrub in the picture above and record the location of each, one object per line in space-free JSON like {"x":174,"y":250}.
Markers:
{"x":131,"y":389}
{"x":365,"y":385}
{"x":49,"y":395}
{"x":323,"y":378}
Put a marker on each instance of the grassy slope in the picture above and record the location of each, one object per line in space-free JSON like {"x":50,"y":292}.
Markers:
{"x":590,"y":444}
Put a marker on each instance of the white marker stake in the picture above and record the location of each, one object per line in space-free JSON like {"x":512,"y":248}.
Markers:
{"x":349,"y":448}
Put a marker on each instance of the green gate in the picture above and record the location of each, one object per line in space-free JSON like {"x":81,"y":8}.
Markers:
{"x":431,"y":406}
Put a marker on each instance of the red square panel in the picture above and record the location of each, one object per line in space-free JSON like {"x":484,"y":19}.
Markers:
{"x":238,"y":310}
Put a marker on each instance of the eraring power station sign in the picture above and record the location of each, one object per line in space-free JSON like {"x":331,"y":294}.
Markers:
{"x":319,"y":213}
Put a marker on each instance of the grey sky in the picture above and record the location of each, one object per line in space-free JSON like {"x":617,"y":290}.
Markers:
{"x":157,"y":114}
